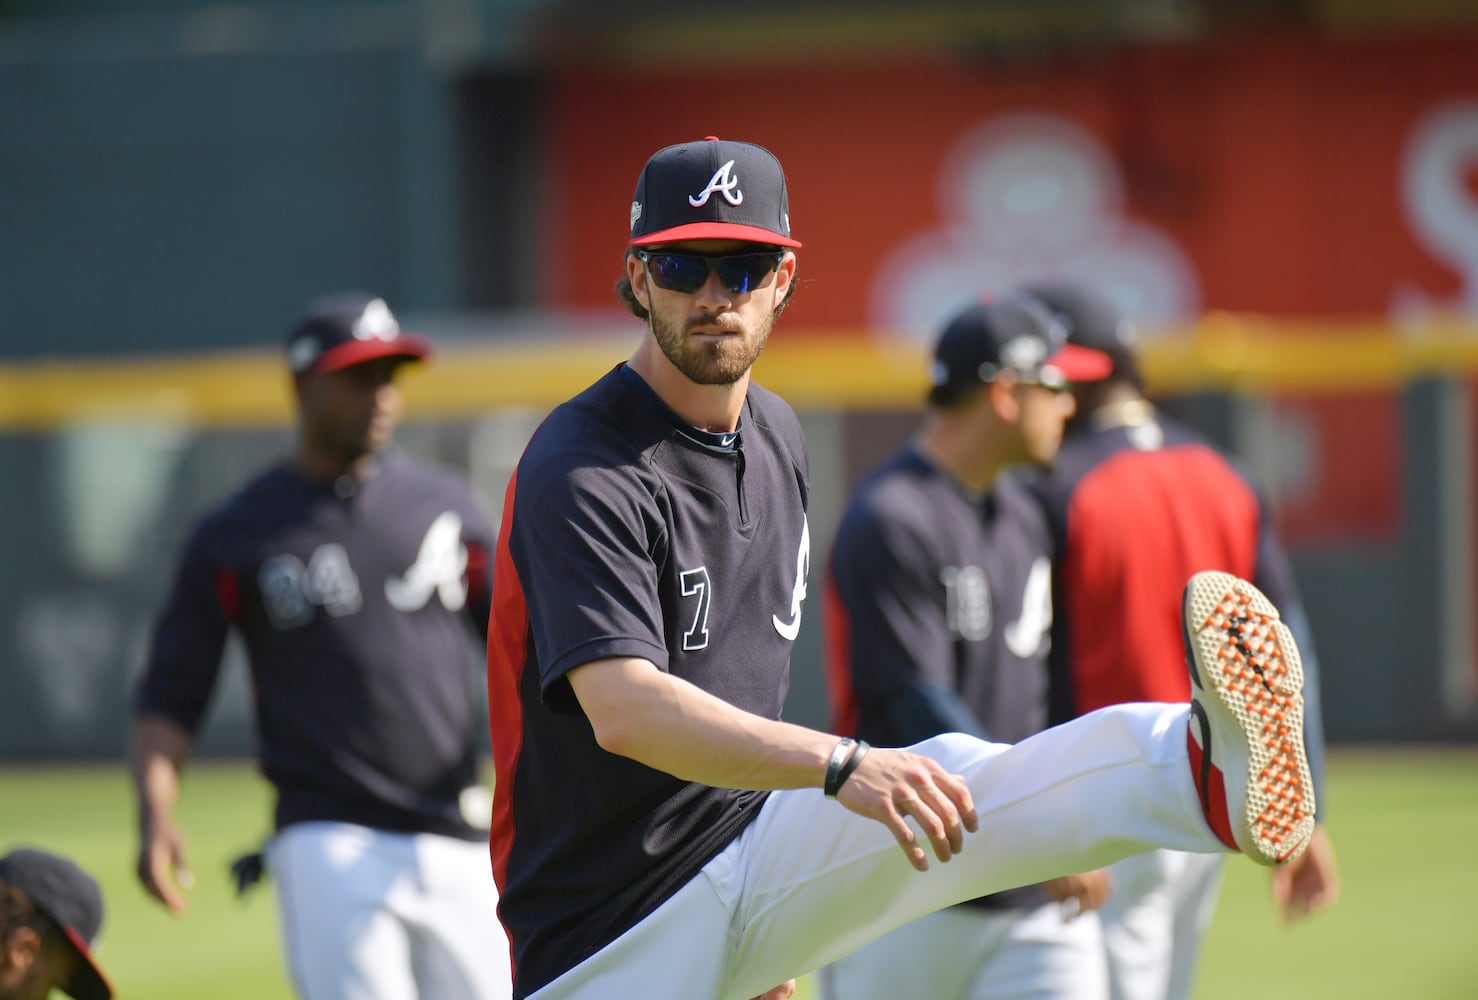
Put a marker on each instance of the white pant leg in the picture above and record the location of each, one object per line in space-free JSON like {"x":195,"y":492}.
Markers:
{"x":967,"y":953}
{"x":1138,"y":927}
{"x":1044,"y":957}
{"x":459,"y":950}
{"x":934,"y":956}
{"x":1197,"y":886}
{"x":341,"y":942}
{"x":820,"y":881}
{"x":1154,"y":920}
{"x":676,"y":953}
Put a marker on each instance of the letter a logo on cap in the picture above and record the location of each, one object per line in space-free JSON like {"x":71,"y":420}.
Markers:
{"x":722,"y":182}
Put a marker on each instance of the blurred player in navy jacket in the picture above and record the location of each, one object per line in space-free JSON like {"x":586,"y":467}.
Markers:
{"x":355,"y":577}
{"x":939,"y":607}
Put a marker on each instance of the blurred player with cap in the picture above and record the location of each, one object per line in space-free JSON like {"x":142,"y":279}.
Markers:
{"x":357,"y":578}
{"x":1138,"y":503}
{"x":938,"y":607}
{"x":50,"y":915}
{"x":658,"y":831}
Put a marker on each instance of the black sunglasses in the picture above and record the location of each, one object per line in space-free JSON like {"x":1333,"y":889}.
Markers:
{"x":686,"y":272}
{"x":1047,"y":376}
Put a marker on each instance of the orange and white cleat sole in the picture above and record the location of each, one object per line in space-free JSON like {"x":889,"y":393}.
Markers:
{"x":1246,"y":736}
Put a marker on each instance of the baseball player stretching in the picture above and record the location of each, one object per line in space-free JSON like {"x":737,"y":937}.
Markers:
{"x":1137,"y":503}
{"x":354,"y":576}
{"x":657,"y":830}
{"x":938,"y":609}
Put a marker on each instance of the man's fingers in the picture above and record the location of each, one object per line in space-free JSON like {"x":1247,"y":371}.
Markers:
{"x":893,"y":786}
{"x":959,"y":792}
{"x":154,"y":872}
{"x":941,"y":821}
{"x":903,"y":833}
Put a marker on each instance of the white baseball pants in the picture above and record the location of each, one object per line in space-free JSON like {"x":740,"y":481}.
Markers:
{"x":970,"y":953}
{"x":370,"y":915}
{"x":808,"y":881}
{"x":1154,"y":920}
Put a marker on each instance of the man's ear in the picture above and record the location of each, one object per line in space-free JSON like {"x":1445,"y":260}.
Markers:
{"x":1000,"y":394}
{"x":636,"y":274}
{"x":20,"y":949}
{"x":785,"y":274}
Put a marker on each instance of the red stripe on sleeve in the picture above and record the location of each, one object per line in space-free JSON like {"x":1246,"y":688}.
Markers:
{"x":477,"y":574}
{"x":837,"y":624}
{"x":508,"y":637}
{"x":228,"y":594}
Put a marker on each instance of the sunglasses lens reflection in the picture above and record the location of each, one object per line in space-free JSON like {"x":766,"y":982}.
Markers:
{"x":686,"y":273}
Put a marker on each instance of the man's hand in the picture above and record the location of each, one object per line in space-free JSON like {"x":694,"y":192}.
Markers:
{"x":891,"y":784}
{"x":1309,"y":883}
{"x":782,"y":992}
{"x":1080,"y":893}
{"x":162,"y":867}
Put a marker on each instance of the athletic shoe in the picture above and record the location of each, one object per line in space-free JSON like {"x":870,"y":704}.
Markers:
{"x":1246,"y":736}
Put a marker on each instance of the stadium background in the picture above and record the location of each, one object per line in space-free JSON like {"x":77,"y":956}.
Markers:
{"x":1285,"y":194}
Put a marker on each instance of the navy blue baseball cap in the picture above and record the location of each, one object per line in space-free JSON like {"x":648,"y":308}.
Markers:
{"x":714,"y":189}
{"x":1016,"y":333}
{"x":1091,"y":320}
{"x":337,"y":331}
{"x":73,"y":901}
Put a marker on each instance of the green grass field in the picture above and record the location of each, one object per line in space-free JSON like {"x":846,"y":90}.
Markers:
{"x":1404,"y":825}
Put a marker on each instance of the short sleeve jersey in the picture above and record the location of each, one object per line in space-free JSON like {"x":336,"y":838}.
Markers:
{"x":931,"y":586}
{"x":1137,"y":507}
{"x":357,"y":607}
{"x":623,"y":536}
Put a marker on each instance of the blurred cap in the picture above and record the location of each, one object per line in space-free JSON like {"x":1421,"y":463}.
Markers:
{"x":1016,"y":334}
{"x":349,"y":329}
{"x":73,"y":901}
{"x":1091,"y":320}
{"x":714,"y":189}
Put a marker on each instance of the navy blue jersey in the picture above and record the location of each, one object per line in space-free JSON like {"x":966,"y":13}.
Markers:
{"x":356,"y":607}
{"x":938,"y":608}
{"x":625,"y":536}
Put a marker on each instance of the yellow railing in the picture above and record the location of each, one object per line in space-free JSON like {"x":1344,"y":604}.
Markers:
{"x":1224,"y":352}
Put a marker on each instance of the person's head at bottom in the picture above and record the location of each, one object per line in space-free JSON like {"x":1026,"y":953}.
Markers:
{"x":344,"y":354}
{"x":50,"y":915}
{"x":710,"y":265}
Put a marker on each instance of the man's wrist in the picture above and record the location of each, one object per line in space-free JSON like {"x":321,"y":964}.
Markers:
{"x":845,"y":757}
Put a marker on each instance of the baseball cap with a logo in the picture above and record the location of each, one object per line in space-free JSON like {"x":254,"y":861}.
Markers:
{"x":714,"y":189}
{"x":73,"y":901}
{"x":1015,"y":334}
{"x":349,"y":329}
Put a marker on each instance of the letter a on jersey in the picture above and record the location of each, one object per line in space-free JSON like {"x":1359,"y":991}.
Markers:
{"x":789,"y":630}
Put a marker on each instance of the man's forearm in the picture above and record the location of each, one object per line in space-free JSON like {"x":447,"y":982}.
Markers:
{"x":668,"y":724}
{"x":160,"y":749}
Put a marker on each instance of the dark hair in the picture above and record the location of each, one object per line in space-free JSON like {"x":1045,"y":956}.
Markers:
{"x":628,"y":298}
{"x":1126,"y":369}
{"x":953,"y":395}
{"x":17,"y":911}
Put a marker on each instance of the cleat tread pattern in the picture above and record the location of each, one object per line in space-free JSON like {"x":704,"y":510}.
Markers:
{"x":1249,"y":657}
